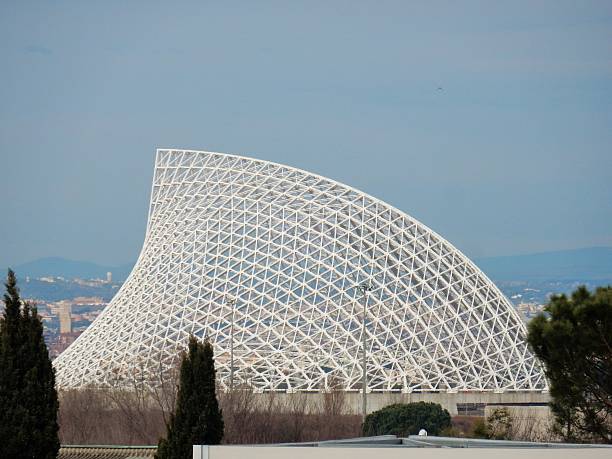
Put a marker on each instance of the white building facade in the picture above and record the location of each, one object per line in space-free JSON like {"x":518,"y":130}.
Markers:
{"x":280,"y":253}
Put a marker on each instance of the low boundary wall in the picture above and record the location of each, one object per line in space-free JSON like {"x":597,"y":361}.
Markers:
{"x":449,"y":400}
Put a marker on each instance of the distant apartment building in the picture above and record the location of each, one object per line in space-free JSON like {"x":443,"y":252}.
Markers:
{"x":65,"y":317}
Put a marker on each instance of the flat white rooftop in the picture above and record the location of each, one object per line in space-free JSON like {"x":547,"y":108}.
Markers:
{"x":391,"y":447}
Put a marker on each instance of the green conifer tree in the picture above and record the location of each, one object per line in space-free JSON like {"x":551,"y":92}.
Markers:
{"x":574,"y":341}
{"x":197,"y":420}
{"x":28,"y":399}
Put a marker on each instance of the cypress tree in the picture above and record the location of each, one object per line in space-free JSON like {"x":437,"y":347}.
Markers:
{"x":197,"y":419}
{"x":28,"y":399}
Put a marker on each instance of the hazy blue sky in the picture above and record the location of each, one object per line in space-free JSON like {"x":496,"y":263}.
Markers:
{"x":513,"y":155}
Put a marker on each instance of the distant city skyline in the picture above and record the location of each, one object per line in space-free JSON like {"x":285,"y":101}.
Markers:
{"x":489,"y":123}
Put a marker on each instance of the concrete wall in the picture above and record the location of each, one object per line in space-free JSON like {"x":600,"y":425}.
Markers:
{"x":377,"y":400}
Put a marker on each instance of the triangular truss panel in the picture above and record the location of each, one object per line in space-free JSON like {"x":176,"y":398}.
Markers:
{"x":292,"y":248}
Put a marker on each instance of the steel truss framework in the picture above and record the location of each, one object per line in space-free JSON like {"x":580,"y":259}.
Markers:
{"x":292,"y":248}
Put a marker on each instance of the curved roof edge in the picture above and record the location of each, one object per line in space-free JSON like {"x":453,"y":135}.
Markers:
{"x":368,"y":195}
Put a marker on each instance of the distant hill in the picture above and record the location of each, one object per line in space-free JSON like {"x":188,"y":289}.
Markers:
{"x":69,"y":269}
{"x":594,"y":263}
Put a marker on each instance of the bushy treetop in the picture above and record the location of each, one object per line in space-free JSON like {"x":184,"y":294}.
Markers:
{"x":407,"y":419}
{"x":573,"y":338}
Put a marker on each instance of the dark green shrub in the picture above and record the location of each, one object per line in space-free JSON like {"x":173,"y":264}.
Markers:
{"x":407,"y":419}
{"x":197,"y":419}
{"x":573,"y":341}
{"x":28,"y":400}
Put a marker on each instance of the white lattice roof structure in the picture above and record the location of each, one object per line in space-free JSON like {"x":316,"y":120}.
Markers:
{"x":291,"y":248}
